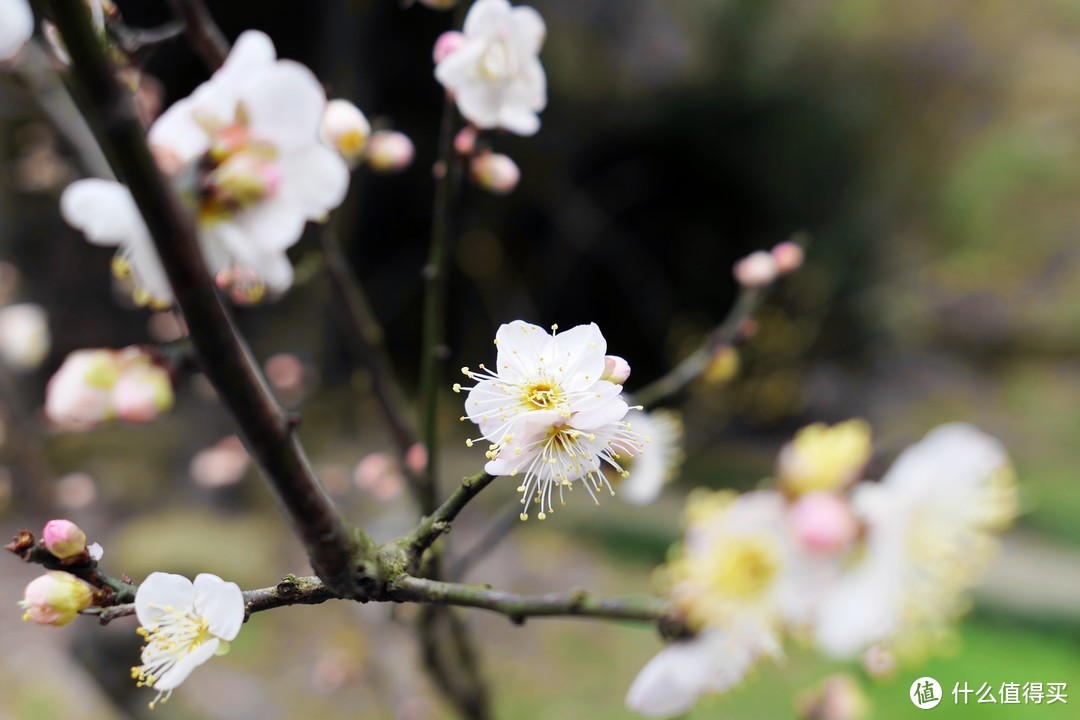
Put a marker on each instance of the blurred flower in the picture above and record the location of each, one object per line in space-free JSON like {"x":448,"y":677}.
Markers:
{"x":16,"y":27}
{"x":495,"y":172}
{"x":496,"y":76}
{"x":931,"y":526}
{"x":756,"y":270}
{"x":76,"y":490}
{"x":788,"y":257}
{"x":165,"y":327}
{"x":447,"y":44}
{"x":616,"y":369}
{"x":249,"y":163}
{"x":184,"y":625}
{"x":879,"y":662}
{"x":346,"y":129}
{"x":63,"y":538}
{"x":823,"y":523}
{"x":93,"y":386}
{"x":723,"y":366}
{"x":24,"y":336}
{"x":416,"y":457}
{"x":839,"y":697}
{"x":465,"y":141}
{"x":547,"y":413}
{"x":379,"y":474}
{"x":287,"y":375}
{"x":824,"y":458}
{"x":222,"y":464}
{"x":660,"y":460}
{"x":56,"y":598}
{"x":389,"y":151}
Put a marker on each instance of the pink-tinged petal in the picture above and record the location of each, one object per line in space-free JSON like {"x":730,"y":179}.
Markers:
{"x":285,"y":104}
{"x":104,"y":211}
{"x":486,"y":17}
{"x":220,"y":603}
{"x":178,"y":673}
{"x":162,"y":590}
{"x":16,"y":27}
{"x":529,"y":29}
{"x":315,"y":178}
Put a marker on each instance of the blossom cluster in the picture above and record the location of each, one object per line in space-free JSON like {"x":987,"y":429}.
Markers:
{"x":93,"y":386}
{"x":847,"y":565}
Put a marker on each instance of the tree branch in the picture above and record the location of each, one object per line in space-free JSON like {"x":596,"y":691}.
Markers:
{"x":432,"y":526}
{"x":223,"y":355}
{"x":202,"y":32}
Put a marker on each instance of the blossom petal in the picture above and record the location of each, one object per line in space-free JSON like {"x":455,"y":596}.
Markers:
{"x":487,"y":16}
{"x":672,"y":681}
{"x":269,"y":227}
{"x":285,"y":103}
{"x":160,"y":590}
{"x":176,"y":129}
{"x":315,"y":178}
{"x":956,"y":454}
{"x":580,"y":355}
{"x":529,"y":29}
{"x":178,"y":673}
{"x":104,"y":211}
{"x":220,"y":603}
{"x":524,"y":349}
{"x":16,"y":27}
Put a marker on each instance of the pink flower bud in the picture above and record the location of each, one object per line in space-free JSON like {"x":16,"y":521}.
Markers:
{"x":56,"y":598}
{"x":378,"y":474}
{"x":447,"y":44}
{"x":756,"y":269}
{"x":389,"y":151}
{"x":788,"y":257}
{"x":823,"y":523}
{"x":142,"y":393}
{"x":78,"y":395}
{"x":496,"y":173}
{"x":465,"y":141}
{"x":63,"y":538}
{"x":416,"y":457}
{"x":346,"y":129}
{"x":616,"y":369}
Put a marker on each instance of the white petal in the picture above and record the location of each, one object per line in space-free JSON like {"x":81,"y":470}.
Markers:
{"x":221,"y":604}
{"x":480,"y":102}
{"x":16,"y":27}
{"x":95,"y":551}
{"x":160,"y":590}
{"x":177,"y":130}
{"x":518,"y":120}
{"x":104,"y":211}
{"x":486,"y":17}
{"x":580,"y":353}
{"x":671,"y":682}
{"x":956,"y":454}
{"x":529,"y":29}
{"x":315,"y":178}
{"x":271,"y":227}
{"x":483,"y":405}
{"x":251,"y":51}
{"x":285,"y":104}
{"x":521,"y":346}
{"x":275,"y":270}
{"x":179,"y":672}
{"x":147,"y":270}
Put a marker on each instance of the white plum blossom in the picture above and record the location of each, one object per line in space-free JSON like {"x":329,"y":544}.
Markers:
{"x":184,"y":624}
{"x":245,"y":154}
{"x":16,"y":27}
{"x":931,"y":526}
{"x":93,"y":386}
{"x":24,"y":336}
{"x":346,"y":129}
{"x":547,"y":413}
{"x":495,"y":74}
{"x":659,"y":462}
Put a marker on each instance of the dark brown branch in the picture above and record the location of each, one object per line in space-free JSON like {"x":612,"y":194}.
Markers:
{"x":202,"y":32}
{"x":223,"y":355}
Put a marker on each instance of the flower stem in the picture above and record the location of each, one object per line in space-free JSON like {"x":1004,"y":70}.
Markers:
{"x":222,"y":352}
{"x":434,"y":525}
{"x":202,"y":32}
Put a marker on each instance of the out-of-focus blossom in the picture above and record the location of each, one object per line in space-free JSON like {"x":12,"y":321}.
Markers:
{"x":788,"y":257}
{"x":823,"y":523}
{"x":63,"y":538}
{"x":93,"y":386}
{"x":56,"y":598}
{"x":495,"y":172}
{"x":446,"y":44}
{"x":660,"y":459}
{"x":495,"y":75}
{"x":247,"y":159}
{"x":184,"y":624}
{"x":723,"y":366}
{"x":547,"y":413}
{"x":465,"y":141}
{"x":76,"y":491}
{"x":166,"y":327}
{"x":824,"y":458}
{"x":389,"y":151}
{"x":346,"y":129}
{"x":16,"y":27}
{"x":839,"y":697}
{"x":24,"y":336}
{"x":416,"y":458}
{"x":931,"y":530}
{"x":756,"y":270}
{"x":380,"y":475}
{"x":289,"y":376}
{"x":222,"y":464}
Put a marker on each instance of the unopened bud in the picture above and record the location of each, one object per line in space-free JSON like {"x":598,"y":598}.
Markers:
{"x":616,"y":369}
{"x":756,"y":270}
{"x":496,"y":173}
{"x":416,"y":457}
{"x":63,"y":538}
{"x":465,"y":141}
{"x":24,"y":336}
{"x":447,"y":44}
{"x":389,"y":151}
{"x":823,"y":523}
{"x":788,"y":257}
{"x":56,"y":598}
{"x":346,"y":129}
{"x":78,"y":394}
{"x":142,"y":394}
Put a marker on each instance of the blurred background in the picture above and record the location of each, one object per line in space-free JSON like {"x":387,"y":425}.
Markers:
{"x":930,"y":149}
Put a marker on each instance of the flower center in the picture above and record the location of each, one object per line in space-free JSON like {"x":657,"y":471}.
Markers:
{"x":498,"y":63}
{"x":168,"y":640}
{"x":542,"y":396}
{"x":743,"y":567}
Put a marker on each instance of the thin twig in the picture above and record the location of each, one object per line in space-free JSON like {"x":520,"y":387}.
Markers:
{"x":432,"y":526}
{"x":223,"y":354}
{"x":202,"y":32}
